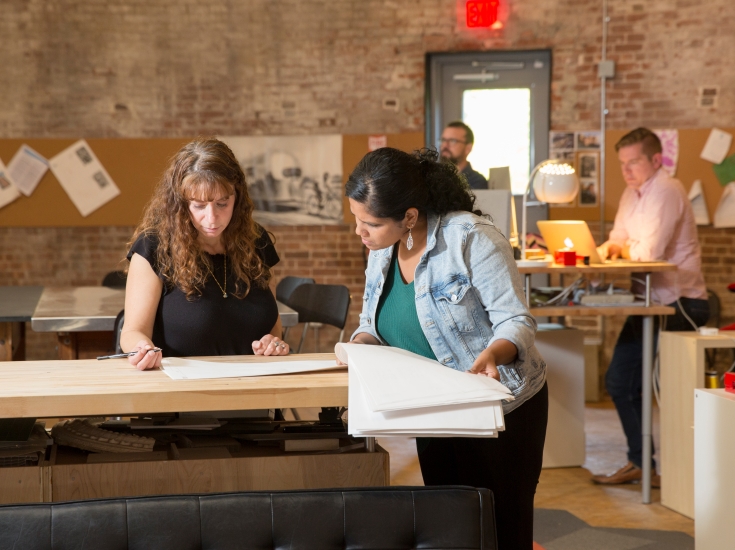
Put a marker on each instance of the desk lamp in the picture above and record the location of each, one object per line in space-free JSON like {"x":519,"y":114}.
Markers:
{"x":552,"y":181}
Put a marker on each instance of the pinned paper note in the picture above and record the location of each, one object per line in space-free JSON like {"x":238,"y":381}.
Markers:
{"x":699,"y":205}
{"x":717,"y":146}
{"x":725,"y":213}
{"x":725,"y":171}
{"x":26,"y":169}
{"x":670,"y":150}
{"x":8,"y":191}
{"x":83,"y":177}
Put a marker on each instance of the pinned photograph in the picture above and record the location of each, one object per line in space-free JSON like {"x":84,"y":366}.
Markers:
{"x":8,"y":191}
{"x":562,"y":155}
{"x":561,"y":140}
{"x":588,"y":194}
{"x":587,"y":165}
{"x":588,"y":140}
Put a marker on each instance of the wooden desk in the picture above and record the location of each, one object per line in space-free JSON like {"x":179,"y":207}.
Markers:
{"x":647,"y":311}
{"x":84,"y":318}
{"x":17,"y":304}
{"x":110,"y":388}
{"x":682,"y":371}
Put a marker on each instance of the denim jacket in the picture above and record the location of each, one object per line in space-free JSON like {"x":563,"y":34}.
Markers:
{"x":468,"y":294}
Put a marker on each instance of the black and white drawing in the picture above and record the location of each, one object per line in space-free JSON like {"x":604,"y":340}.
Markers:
{"x":84,"y":155}
{"x":293,"y":180}
{"x":588,"y":165}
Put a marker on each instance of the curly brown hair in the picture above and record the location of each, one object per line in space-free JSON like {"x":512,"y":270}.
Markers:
{"x":205,"y":169}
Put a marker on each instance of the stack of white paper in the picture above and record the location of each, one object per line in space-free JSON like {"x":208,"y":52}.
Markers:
{"x":191,"y":369}
{"x":393,"y":392}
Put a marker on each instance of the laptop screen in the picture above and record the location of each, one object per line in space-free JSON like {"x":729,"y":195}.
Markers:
{"x":574,"y":234}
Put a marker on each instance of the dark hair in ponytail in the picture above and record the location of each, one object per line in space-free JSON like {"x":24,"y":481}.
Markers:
{"x":389,"y":182}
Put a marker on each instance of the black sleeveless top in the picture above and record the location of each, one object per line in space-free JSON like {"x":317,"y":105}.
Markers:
{"x":211,"y":324}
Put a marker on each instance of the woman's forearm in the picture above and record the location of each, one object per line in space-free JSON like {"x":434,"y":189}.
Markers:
{"x":365,"y":338}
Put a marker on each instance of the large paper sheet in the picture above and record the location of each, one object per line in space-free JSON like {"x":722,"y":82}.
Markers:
{"x":26,"y":169}
{"x":395,"y":379}
{"x":725,"y":213}
{"x":8,"y":191}
{"x":717,"y":146}
{"x":699,"y":205}
{"x":190,"y":369}
{"x":83,"y":177}
{"x":393,"y":392}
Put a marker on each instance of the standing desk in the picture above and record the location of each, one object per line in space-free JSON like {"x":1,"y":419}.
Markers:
{"x":647,"y":311}
{"x":17,"y":304}
{"x":84,"y":317}
{"x":53,"y":389}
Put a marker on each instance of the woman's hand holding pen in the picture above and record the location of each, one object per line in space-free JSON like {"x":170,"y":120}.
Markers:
{"x":270,"y":345}
{"x":146,"y":358}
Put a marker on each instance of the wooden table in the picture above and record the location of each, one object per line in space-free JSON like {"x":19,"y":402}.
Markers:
{"x":648,"y":311}
{"x":39,"y":389}
{"x":84,"y":318}
{"x":17,"y":304}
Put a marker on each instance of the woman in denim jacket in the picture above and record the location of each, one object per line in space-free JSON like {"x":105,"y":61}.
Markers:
{"x":441,"y":282}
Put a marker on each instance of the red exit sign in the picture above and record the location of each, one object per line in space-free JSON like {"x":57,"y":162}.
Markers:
{"x":482,"y":13}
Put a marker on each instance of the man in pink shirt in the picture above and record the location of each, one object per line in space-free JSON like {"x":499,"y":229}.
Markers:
{"x":654,"y":222}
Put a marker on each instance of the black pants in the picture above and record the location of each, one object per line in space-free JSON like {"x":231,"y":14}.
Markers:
{"x":509,"y":465}
{"x":624,"y":377}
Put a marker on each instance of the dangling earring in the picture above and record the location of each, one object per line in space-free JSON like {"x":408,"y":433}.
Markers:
{"x":409,"y":241}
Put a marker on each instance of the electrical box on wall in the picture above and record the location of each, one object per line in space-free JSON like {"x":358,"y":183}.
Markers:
{"x":481,"y":13}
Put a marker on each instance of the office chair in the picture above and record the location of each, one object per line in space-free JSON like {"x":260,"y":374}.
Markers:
{"x":115,"y":279}
{"x":117,"y":329}
{"x":325,"y":304}
{"x":285,"y":288}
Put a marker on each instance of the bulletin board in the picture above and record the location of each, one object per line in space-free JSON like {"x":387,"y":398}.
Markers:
{"x":136,"y":166}
{"x":356,"y":146}
{"x":689,"y":168}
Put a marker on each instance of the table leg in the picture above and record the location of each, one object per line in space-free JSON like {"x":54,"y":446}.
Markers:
{"x":528,"y":289}
{"x":12,"y":341}
{"x":647,"y":405}
{"x":67,"y":345}
{"x":6,"y":341}
{"x":370,"y":444}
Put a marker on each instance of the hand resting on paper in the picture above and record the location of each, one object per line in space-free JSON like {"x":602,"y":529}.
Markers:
{"x":146,"y":358}
{"x":270,"y":345}
{"x":500,"y":352}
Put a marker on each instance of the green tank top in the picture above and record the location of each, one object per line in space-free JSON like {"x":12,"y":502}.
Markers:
{"x":397,"y":320}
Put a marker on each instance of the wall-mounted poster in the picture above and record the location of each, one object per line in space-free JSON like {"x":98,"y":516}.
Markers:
{"x":588,"y":192}
{"x":293,"y":180}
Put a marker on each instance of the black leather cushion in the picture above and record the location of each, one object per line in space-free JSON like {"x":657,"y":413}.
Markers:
{"x":96,"y":524}
{"x":235,"y":521}
{"x":26,"y":527}
{"x":388,"y":518}
{"x":164,"y":523}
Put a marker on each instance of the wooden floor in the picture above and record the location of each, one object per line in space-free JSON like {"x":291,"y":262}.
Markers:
{"x":570,"y":488}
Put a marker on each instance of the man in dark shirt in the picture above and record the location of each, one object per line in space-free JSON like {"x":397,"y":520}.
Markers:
{"x":455,"y":144}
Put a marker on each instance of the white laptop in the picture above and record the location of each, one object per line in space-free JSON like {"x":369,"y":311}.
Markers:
{"x":574,"y":234}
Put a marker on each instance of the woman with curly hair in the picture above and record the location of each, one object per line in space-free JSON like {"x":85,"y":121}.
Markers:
{"x":200,"y":265}
{"x":441,"y":282}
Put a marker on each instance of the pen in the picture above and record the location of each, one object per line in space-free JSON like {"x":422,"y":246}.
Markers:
{"x":116,"y":356}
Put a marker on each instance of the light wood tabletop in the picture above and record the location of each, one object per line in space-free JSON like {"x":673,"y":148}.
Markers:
{"x":38,"y":389}
{"x":611,"y":268}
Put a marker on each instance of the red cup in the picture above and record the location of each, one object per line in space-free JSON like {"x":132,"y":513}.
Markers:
{"x":565,"y":257}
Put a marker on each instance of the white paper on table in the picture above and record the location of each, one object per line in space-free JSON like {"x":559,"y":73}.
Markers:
{"x":395,"y":379}
{"x":191,"y":369}
{"x":83,"y":177}
{"x":8,"y":191}
{"x":717,"y":146}
{"x":699,"y":205}
{"x":725,"y":213}
{"x":26,"y":169}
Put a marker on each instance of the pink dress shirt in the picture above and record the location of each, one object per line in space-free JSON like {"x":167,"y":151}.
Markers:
{"x":657,"y":223}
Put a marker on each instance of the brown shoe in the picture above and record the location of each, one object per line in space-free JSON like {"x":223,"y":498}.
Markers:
{"x":629,"y":473}
{"x":655,"y":481}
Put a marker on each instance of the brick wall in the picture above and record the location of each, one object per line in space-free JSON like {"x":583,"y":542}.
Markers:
{"x":132,"y":68}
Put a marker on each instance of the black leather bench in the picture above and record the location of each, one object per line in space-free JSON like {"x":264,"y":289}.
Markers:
{"x":365,"y":519}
